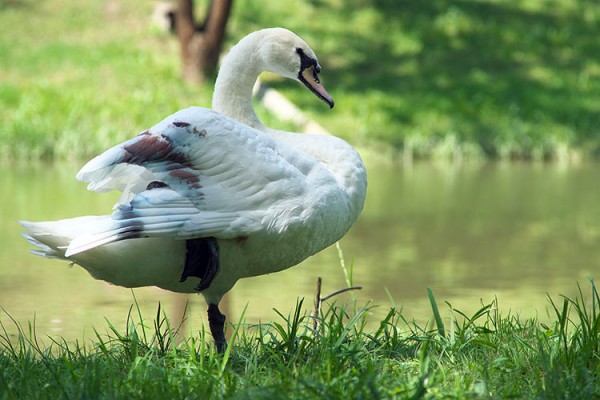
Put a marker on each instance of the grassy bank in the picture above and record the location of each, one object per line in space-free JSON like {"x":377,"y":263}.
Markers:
{"x":484,"y":355}
{"x":443,"y":79}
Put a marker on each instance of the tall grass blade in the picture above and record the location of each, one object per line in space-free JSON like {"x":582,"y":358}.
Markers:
{"x":139,"y":311}
{"x":347,"y":276}
{"x":436,"y":314}
{"x":229,"y":348}
{"x":347,"y":329}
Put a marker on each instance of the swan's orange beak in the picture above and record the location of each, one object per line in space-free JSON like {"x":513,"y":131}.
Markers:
{"x":310,"y":78}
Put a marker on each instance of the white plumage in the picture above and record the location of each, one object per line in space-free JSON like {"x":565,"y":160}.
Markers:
{"x":216,"y":190}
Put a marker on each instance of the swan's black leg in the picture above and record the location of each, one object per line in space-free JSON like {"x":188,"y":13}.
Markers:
{"x":216,"y":321}
{"x":201,"y":261}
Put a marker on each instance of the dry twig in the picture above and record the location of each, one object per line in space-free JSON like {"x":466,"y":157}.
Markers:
{"x":320,"y":299}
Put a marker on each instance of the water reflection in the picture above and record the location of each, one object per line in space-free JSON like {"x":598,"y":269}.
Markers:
{"x":470,"y":232}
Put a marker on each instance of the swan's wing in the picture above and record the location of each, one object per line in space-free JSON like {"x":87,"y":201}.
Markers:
{"x":211,"y":176}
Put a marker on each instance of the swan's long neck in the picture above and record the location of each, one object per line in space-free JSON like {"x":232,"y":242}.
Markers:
{"x":233,"y":97}
{"x":233,"y":88}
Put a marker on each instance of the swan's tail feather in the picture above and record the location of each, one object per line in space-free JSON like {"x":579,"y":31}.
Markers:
{"x":130,"y":228}
{"x":51,"y":239}
{"x":44,"y":250}
{"x":88,"y":242}
{"x":152,"y":213}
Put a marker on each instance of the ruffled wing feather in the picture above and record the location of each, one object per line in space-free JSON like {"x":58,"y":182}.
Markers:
{"x":213,"y":177}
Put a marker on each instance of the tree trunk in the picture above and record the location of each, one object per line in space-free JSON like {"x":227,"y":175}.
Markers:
{"x":201,"y":47}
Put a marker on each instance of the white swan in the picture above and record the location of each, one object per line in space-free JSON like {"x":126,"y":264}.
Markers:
{"x":212,"y":196}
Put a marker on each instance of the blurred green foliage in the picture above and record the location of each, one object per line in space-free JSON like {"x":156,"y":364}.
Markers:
{"x":441,"y":78}
{"x":504,"y":78}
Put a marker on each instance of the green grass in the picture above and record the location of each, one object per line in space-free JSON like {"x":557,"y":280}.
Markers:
{"x":484,"y":355}
{"x":449,"y":78}
{"x":439,"y":78}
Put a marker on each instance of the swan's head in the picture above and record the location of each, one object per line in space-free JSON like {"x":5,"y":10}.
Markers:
{"x":285,"y":53}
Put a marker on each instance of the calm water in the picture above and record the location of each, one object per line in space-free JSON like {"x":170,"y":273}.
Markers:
{"x":517,"y":232}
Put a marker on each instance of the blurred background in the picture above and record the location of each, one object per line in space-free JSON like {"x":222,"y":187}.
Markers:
{"x":479,"y":122}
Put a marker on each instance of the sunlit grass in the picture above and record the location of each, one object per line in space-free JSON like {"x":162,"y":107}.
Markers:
{"x":508,"y":79}
{"x":484,"y":354}
{"x":430,"y":79}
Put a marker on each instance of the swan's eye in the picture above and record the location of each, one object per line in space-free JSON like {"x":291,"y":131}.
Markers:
{"x":315,"y":76}
{"x":306,"y":61}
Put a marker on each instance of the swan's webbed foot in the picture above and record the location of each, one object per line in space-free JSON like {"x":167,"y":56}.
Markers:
{"x":216,"y":321}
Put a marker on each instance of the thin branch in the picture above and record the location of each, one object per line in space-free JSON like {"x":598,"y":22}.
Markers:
{"x":320,"y":299}
{"x":336,"y":292}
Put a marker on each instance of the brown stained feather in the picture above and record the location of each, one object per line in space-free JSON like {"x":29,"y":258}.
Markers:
{"x":192,"y":180}
{"x":156,"y":185}
{"x":201,"y":132}
{"x":148,"y":147}
{"x":181,"y":124}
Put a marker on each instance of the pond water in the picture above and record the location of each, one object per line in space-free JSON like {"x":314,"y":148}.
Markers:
{"x":516,"y":232}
